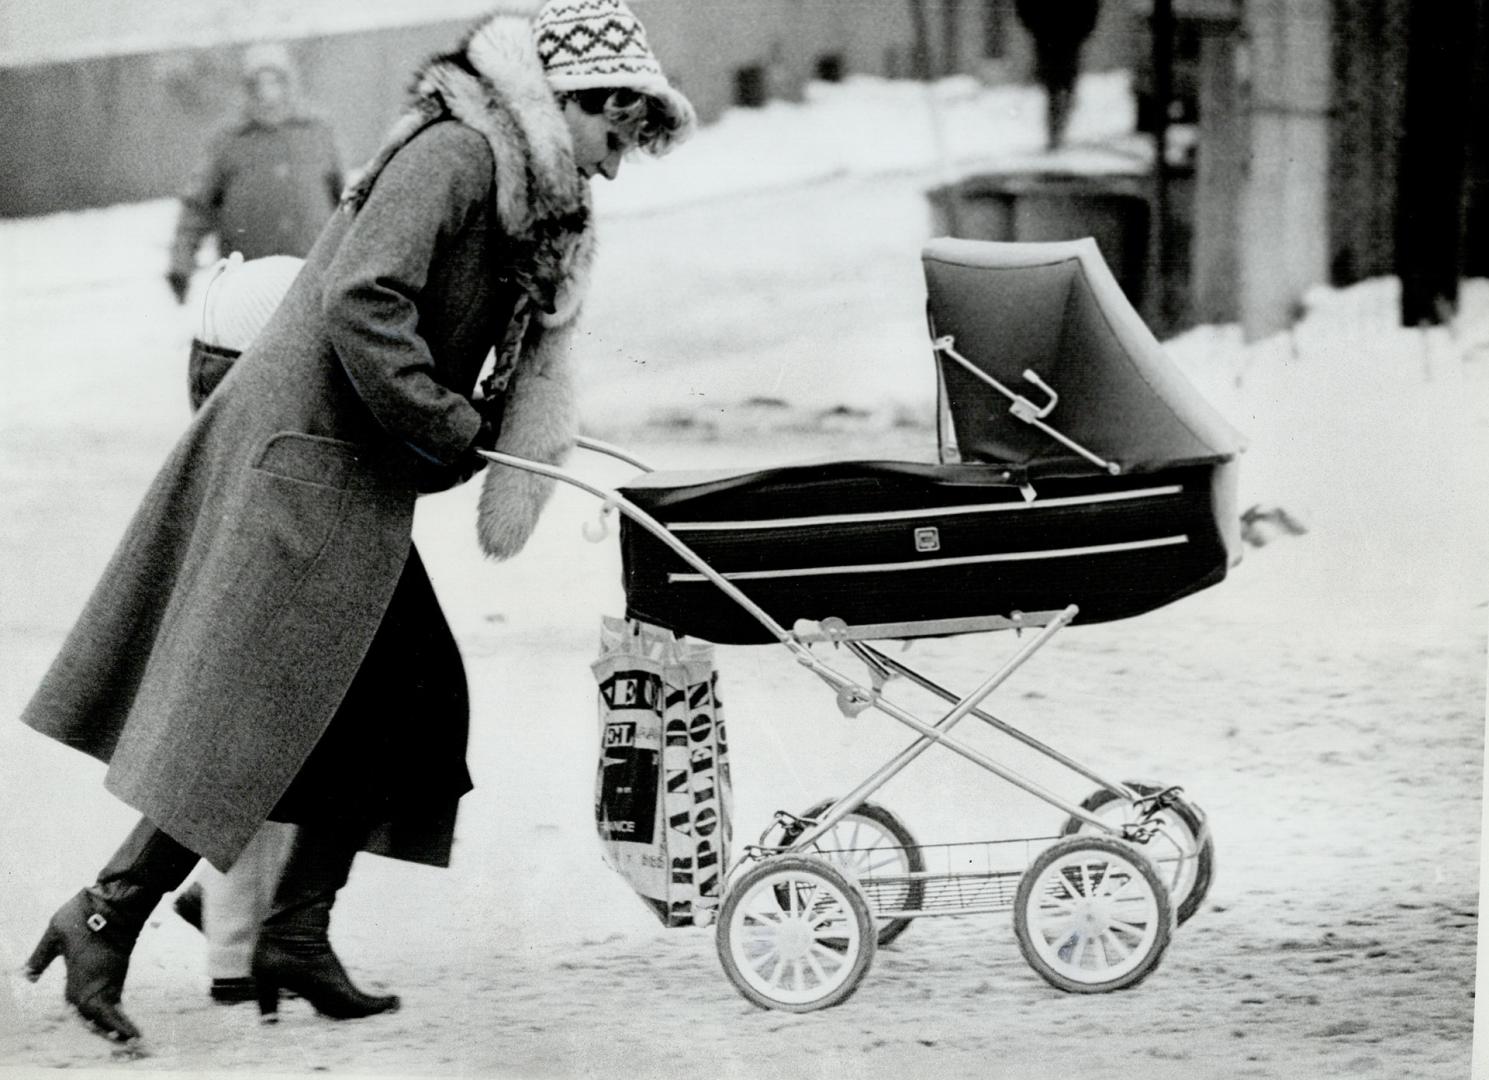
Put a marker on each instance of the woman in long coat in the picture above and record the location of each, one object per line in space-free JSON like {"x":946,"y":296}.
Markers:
{"x":265,"y":642}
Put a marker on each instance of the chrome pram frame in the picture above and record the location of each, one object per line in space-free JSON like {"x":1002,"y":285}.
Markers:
{"x":800,"y":918}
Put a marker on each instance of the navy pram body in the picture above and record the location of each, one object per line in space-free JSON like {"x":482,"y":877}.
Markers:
{"x":1116,"y":493}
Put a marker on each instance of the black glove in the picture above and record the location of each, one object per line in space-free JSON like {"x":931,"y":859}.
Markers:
{"x":430,"y":478}
{"x":471,"y":462}
{"x":491,"y":409}
{"x":179,"y":282}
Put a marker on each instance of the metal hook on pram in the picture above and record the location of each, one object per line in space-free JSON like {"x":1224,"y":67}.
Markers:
{"x":596,"y":530}
{"x":1022,"y":407}
{"x":1025,"y":409}
{"x":853,"y":700}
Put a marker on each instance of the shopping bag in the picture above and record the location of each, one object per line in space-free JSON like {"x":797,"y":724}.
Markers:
{"x":663,"y":800}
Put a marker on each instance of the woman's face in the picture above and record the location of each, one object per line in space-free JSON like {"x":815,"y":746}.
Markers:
{"x":598,"y":145}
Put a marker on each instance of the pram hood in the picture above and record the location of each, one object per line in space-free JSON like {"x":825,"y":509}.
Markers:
{"x":1056,"y":310}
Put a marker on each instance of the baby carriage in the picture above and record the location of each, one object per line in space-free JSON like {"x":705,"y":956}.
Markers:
{"x":1109,"y":496}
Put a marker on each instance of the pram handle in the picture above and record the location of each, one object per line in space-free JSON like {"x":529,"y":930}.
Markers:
{"x":583,"y":442}
{"x":614,"y":498}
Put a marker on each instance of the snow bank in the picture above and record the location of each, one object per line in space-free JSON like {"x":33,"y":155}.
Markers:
{"x":1371,"y":433}
{"x":867,"y":126}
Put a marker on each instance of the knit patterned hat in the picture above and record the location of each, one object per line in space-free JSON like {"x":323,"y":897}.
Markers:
{"x":241,"y":296}
{"x":600,"y":44}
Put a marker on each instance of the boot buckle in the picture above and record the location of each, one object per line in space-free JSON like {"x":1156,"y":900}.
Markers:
{"x":96,"y":922}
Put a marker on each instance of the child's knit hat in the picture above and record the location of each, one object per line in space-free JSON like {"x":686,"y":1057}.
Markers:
{"x":241,"y":296}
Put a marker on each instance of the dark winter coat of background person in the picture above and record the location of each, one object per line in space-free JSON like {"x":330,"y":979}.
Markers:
{"x":267,"y":184}
{"x":1059,"y":29}
{"x":231,"y":620}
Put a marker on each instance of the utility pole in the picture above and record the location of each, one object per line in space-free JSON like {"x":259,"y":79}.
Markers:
{"x":1162,"y":27}
{"x":1432,"y":159}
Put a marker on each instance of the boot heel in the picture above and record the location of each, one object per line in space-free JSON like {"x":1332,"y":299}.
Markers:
{"x":47,"y":950}
{"x":268,"y":999}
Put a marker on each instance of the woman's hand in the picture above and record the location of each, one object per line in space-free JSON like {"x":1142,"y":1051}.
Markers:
{"x":430,"y":478}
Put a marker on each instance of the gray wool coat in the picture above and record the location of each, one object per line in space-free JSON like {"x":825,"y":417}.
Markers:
{"x":231,"y":619}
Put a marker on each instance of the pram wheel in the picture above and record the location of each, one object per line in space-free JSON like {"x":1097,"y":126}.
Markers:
{"x":872,"y":843}
{"x":795,"y":934}
{"x":1186,"y":866}
{"x":1091,"y":914}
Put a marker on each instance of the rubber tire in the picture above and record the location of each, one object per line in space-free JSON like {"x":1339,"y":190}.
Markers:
{"x":1144,"y":866}
{"x":1204,"y":871}
{"x":889,"y":929}
{"x":805,"y":865}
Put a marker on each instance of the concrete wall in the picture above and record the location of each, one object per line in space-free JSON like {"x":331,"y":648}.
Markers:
{"x":1284,"y":206}
{"x":98,"y":130}
{"x":1221,"y":161}
{"x":704,"y":46}
{"x":104,"y":130}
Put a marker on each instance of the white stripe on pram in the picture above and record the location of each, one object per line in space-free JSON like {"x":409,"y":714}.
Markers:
{"x":932,"y":564}
{"x":911,"y":515}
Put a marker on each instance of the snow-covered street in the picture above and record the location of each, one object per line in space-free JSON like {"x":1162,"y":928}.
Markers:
{"x":1325,"y":704}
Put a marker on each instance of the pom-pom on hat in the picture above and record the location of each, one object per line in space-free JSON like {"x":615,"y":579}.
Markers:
{"x":241,"y":296}
{"x":600,"y":44}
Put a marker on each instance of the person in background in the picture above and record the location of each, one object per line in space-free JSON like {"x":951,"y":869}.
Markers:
{"x":265,"y":644}
{"x":1059,"y":29}
{"x":269,"y":180}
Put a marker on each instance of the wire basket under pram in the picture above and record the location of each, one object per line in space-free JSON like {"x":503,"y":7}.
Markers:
{"x":1074,"y":515}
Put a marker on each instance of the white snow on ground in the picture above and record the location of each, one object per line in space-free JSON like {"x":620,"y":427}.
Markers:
{"x":867,"y":126}
{"x":1325,"y":704}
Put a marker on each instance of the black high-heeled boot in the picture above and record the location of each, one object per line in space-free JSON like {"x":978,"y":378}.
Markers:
{"x":95,"y":931}
{"x":293,"y":951}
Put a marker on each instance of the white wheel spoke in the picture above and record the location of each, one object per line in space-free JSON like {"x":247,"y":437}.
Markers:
{"x":1067,"y":943}
{"x":763,"y":916}
{"x":819,"y":949}
{"x":1113,"y":944}
{"x":771,"y":957}
{"x":832,"y":926}
{"x":1126,"y":880}
{"x":1087,"y":944}
{"x":816,"y":966}
{"x":1053,"y":931}
{"x":1085,"y":879}
{"x":827,"y":925}
{"x":780,"y":976}
{"x":1137,"y":930}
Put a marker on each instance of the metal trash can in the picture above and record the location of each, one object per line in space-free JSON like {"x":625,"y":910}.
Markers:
{"x":1112,"y":208}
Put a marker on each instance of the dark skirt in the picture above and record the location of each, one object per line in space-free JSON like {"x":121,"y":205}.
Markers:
{"x":396,"y":746}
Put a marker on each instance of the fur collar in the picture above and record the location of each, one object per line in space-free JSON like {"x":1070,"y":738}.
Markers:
{"x":494,"y":83}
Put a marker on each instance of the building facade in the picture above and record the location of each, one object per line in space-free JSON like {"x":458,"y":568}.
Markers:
{"x":95,"y":127}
